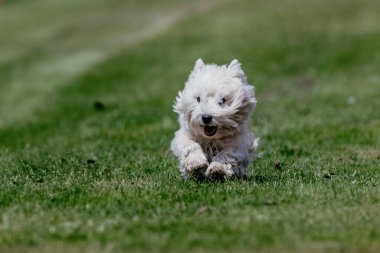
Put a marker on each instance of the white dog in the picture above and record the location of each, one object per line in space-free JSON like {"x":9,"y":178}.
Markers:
{"x":214,"y":111}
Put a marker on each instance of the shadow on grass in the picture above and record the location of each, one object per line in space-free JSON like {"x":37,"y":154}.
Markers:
{"x":259,"y":179}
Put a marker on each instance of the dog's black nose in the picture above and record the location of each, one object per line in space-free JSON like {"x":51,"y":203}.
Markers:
{"x":206,"y":119}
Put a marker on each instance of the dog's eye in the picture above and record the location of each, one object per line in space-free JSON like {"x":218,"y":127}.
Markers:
{"x":222,"y":101}
{"x":198,"y":99}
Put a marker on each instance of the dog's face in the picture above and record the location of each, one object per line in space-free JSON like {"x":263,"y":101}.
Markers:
{"x":216,"y":100}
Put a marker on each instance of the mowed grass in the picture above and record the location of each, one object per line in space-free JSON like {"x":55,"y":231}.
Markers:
{"x":81,"y":178}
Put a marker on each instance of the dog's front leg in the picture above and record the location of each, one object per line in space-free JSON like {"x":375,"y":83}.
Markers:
{"x":225,"y":165}
{"x":193,"y":161}
{"x":219,"y":171}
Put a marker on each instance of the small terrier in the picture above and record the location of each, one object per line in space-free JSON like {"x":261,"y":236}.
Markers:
{"x":214,"y":110}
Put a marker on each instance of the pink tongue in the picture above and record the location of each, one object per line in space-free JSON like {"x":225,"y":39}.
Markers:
{"x":209,"y":130}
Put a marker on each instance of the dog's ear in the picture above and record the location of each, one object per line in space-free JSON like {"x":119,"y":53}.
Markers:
{"x":199,"y":65}
{"x":235,"y":68}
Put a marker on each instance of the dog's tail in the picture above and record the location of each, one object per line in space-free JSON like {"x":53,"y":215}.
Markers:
{"x":253,"y":146}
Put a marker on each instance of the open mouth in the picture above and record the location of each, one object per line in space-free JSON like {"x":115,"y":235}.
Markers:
{"x":209,"y":130}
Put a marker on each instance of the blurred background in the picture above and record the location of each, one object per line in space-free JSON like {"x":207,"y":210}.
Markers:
{"x":47,"y":45}
{"x":86,"y":94}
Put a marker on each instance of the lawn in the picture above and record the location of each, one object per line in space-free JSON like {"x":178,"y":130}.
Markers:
{"x":86,"y":94}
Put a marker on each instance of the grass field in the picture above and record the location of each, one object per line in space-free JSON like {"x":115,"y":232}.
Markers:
{"x":75,"y":177}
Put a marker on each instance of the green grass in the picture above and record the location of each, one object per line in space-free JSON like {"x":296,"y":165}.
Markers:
{"x":77,"y":179}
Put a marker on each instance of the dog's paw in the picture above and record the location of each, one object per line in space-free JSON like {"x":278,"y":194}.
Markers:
{"x":219,"y":171}
{"x":195,"y":165}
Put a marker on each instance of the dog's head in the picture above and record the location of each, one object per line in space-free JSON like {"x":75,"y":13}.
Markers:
{"x":216,"y":100}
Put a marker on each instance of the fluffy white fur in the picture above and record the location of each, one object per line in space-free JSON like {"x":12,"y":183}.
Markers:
{"x":222,"y":148}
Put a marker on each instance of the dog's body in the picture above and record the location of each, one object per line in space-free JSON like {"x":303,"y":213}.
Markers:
{"x":214,"y":111}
